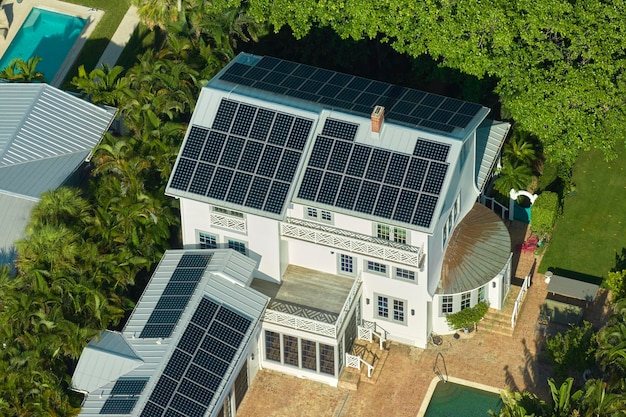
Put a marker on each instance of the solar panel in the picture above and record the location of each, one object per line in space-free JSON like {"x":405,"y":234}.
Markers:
{"x":176,"y":295}
{"x":424,"y":211}
{"x":329,"y":188}
{"x":358,"y":160}
{"x":320,"y":152}
{"x":349,"y":192}
{"x":339,"y":129}
{"x":404,"y":211}
{"x":435,"y":177}
{"x":356,"y":94}
{"x":378,"y":165}
{"x":200,"y":362}
{"x":386,"y":201}
{"x":129,"y":386}
{"x":367,"y":197}
{"x":310,"y":184}
{"x":256,"y":152}
{"x":415,"y":175}
{"x":339,"y":156}
{"x":115,"y":405}
{"x":397,"y":168}
{"x":431,"y":150}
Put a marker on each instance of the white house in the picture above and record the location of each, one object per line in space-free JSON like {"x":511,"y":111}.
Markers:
{"x":357,"y":198}
{"x":354,"y":203}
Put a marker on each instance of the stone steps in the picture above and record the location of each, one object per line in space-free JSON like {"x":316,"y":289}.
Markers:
{"x":370,"y":353}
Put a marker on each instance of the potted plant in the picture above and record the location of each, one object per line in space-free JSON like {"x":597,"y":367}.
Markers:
{"x":468,"y":317}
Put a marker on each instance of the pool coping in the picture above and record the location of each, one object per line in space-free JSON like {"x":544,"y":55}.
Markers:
{"x":20,"y":11}
{"x":435,"y":381}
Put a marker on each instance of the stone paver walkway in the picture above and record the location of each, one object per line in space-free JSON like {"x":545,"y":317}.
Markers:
{"x":120,"y":38}
{"x":495,"y":360}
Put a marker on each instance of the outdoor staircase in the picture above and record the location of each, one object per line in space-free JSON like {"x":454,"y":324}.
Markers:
{"x":370,"y":353}
{"x":499,"y":321}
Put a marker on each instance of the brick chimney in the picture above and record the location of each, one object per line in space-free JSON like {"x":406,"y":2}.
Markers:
{"x":378,"y":117}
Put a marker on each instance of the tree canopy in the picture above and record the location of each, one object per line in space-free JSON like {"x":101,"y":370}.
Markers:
{"x":560,"y":63}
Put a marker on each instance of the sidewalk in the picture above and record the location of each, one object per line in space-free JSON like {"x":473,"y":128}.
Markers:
{"x":120,"y":38}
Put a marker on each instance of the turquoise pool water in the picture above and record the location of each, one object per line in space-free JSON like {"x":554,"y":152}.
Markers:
{"x":455,"y":400}
{"x":48,"y":35}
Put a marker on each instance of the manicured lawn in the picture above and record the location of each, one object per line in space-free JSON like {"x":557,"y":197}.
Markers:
{"x":99,"y":39}
{"x":592,"y":229}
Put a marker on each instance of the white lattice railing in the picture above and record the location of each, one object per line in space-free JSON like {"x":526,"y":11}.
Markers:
{"x":353,"y":242}
{"x":300,"y":323}
{"x":227,"y":222}
{"x":348,"y":303}
{"x":355,"y":361}
{"x":367,"y":329}
{"x":519,"y":299}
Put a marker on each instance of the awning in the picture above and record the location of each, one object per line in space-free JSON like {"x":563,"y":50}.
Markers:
{"x":572,"y":288}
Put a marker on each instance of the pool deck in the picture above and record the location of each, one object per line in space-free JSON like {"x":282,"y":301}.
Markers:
{"x":493,"y":360}
{"x":17,"y":11}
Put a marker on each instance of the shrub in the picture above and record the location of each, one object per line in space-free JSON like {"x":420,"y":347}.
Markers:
{"x":573,"y":350}
{"x":616,"y":282}
{"x":543,"y":213}
{"x":467,"y":317}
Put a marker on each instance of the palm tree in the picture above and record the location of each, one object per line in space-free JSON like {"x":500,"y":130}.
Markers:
{"x":20,"y":71}
{"x":611,"y":352}
{"x":512,"y":176}
{"x":103,"y":85}
{"x":519,"y":150}
{"x":564,"y":402}
{"x":62,"y":206}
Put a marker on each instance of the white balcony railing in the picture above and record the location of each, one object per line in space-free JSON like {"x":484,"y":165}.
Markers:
{"x":228,"y":222}
{"x":313,"y":326}
{"x":353,"y":242}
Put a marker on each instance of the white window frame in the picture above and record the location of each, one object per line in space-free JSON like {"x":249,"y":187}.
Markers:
{"x":466,"y":300}
{"x":340,"y":264}
{"x":203,"y":235}
{"x":310,"y":213}
{"x":391,"y":233}
{"x":447,"y":304}
{"x":326,"y":216}
{"x":230,"y":242}
{"x":396,"y":307}
{"x":319,"y":215}
{"x":228,"y":212}
{"x":453,"y":217}
{"x":404,"y":274}
{"x":377,"y":268}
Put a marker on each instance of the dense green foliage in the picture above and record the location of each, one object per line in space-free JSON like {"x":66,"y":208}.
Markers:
{"x":560,"y":64}
{"x":468,"y":317}
{"x":543,"y":213}
{"x":572,"y":351}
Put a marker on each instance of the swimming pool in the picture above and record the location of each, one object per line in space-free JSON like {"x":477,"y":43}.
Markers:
{"x":460,"y":400}
{"x":48,"y":35}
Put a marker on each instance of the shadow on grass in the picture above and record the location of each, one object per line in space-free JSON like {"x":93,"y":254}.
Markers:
{"x":592,"y":279}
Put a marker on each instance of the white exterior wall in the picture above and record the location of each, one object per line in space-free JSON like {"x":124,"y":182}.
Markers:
{"x":262,"y":237}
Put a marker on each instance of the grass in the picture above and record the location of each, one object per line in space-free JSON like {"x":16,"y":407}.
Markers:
{"x":99,"y":39}
{"x":592,"y":229}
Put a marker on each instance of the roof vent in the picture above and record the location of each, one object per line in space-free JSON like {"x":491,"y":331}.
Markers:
{"x":378,"y":117}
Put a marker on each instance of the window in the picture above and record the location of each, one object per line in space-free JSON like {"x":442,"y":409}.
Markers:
{"x":327,"y":359}
{"x":398,"y":311}
{"x":383,"y":307}
{"x":238,"y":246}
{"x":228,"y":212}
{"x":452,"y":219}
{"x":323,"y":215}
{"x":446,"y":304}
{"x":382,"y":231}
{"x":377,"y":267}
{"x":405,"y":274}
{"x":465,"y":300}
{"x":311,"y":212}
{"x":399,"y":235}
{"x":207,"y":241}
{"x":290,"y":350}
{"x":309,"y":355}
{"x":396,"y":234}
{"x":346,"y":264}
{"x":272,"y":346}
{"x":397,"y":306}
{"x":481,"y":293}
{"x":327,"y":216}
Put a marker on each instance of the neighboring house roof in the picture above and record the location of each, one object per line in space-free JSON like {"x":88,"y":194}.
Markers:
{"x":478,"y":250}
{"x":183,"y":344}
{"x":490,"y":136}
{"x":45,"y":135}
{"x":266,"y":132}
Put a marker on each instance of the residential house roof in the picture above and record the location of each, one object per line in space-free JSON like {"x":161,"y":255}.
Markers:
{"x":267,"y":132}
{"x":184,"y":343}
{"x":478,"y":250}
{"x":45,"y":135}
{"x":490,"y":137}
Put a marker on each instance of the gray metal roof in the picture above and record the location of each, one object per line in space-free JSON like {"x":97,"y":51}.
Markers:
{"x":477,"y":251}
{"x":14,"y":217}
{"x":490,"y":136}
{"x":45,"y":134}
{"x":225,"y":281}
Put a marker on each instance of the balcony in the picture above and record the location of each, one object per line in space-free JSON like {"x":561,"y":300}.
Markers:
{"x":353,"y":242}
{"x":296,"y":302}
{"x":228,"y":222}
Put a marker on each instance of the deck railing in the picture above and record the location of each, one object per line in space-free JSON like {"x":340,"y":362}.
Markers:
{"x":353,"y":242}
{"x":522,"y":294}
{"x":228,"y":222}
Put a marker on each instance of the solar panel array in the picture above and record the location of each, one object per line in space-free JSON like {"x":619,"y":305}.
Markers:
{"x":200,"y":362}
{"x":249,"y":157}
{"x":352,"y":93}
{"x":375,"y":181}
{"x":176,"y":295}
{"x":124,"y":396}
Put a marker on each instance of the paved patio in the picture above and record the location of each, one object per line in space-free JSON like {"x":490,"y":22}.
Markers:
{"x":495,"y":360}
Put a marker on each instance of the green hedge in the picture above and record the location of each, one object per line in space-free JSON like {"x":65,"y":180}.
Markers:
{"x":543,"y":213}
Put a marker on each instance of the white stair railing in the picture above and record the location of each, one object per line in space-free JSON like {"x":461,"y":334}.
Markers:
{"x":355,"y":361}
{"x":370,"y":328}
{"x":522,"y":293}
